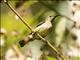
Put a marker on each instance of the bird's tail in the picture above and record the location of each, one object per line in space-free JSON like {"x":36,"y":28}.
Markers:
{"x":27,"y":39}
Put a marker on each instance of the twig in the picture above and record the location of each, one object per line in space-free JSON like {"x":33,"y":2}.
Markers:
{"x":15,"y":48}
{"x":18,"y":15}
{"x":49,"y":44}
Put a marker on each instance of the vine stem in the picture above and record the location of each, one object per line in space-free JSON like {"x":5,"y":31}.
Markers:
{"x":51,"y":46}
{"x":48,"y":43}
{"x":18,"y":15}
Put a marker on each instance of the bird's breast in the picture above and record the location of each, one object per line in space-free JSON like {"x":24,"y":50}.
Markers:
{"x":45,"y":30}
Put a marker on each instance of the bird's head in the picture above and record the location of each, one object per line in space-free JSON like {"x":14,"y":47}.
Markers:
{"x":51,"y":18}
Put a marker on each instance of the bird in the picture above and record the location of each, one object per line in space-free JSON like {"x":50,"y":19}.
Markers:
{"x":43,"y":29}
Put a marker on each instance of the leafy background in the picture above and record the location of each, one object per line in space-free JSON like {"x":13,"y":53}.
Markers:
{"x":33,"y":12}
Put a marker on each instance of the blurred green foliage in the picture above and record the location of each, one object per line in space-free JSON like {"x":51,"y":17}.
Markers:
{"x":33,"y":12}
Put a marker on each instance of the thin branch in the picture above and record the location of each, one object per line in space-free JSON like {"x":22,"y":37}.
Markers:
{"x":18,"y":52}
{"x":18,"y":15}
{"x":15,"y":48}
{"x":49,"y":44}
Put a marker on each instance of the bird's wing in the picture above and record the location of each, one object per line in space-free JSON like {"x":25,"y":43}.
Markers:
{"x":40,"y":23}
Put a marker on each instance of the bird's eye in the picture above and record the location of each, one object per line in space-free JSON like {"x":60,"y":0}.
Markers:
{"x":50,"y":16}
{"x":74,"y":37}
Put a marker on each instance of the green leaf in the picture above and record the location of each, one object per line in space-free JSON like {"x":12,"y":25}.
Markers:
{"x":51,"y":58}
